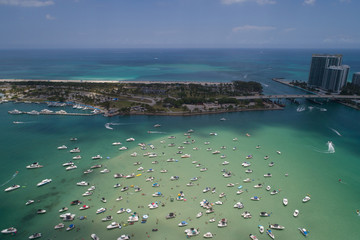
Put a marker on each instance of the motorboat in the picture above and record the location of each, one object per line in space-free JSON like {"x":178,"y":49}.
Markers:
{"x":71,"y":167}
{"x":35,"y":235}
{"x":121,"y":211}
{"x":247,"y":180}
{"x":116,"y":143}
{"x":124,"y":237}
{"x":246,"y":164}
{"x":264,"y":214}
{"x":230,"y":185}
{"x":271,"y":164}
{"x":15,"y":111}
{"x":253,"y":237}
{"x":304,"y":231}
{"x":249,"y":157}
{"x":191,"y":232}
{"x":153,"y":205}
{"x":221,"y":195}
{"x":73,"y":139}
{"x":100,"y":210}
{"x":137,"y":163}
{"x":82,"y":183}
{"x":239,"y":192}
{"x":130,"y":139}
{"x":59,"y":226}
{"x":163,"y":171}
{"x":134,"y":154}
{"x":270,"y":233}
{"x":75,"y":202}
{"x":170,"y":215}
{"x":296,"y":213}
{"x":68,"y":164}
{"x":255,"y":198}
{"x":117,"y":185}
{"x":216,"y":152}
{"x":150,"y":170}
{"x":285,"y":201}
{"x":213,"y":134}
{"x":258,"y":185}
{"x":75,"y":150}
{"x":107,"y":218}
{"x":266,"y":157}
{"x":84,"y":207}
{"x":130,"y":176}
{"x":29,"y":202}
{"x":274,"y":192}
{"x":268,"y":188}
{"x":154,"y":162}
{"x":155,"y":185}
{"x":190,"y":184}
{"x":208,"y":235}
{"x":171,"y":160}
{"x":96,"y":166}
{"x":67,"y":217}
{"x":239,"y":205}
{"x":227,"y":174}
{"x":113,"y":225}
{"x":94,"y":237}
{"x":276,"y":226}
{"x":306,"y":199}
{"x":261,"y":229}
{"x":88,"y":171}
{"x":198,"y":165}
{"x":206,"y":189}
{"x":133,"y":218}
{"x":278,"y":152}
{"x":218,"y":202}
{"x":103,"y":200}
{"x":9,"y":230}
{"x":203,"y":169}
{"x":246,"y":215}
{"x":96,"y":157}
{"x":105,"y":170}
{"x":222,"y":223}
{"x":268,"y":175}
{"x":199,"y":214}
{"x":12,"y":188}
{"x":78,"y":157}
{"x":41,"y":211}
{"x":62,"y":147}
{"x":157,"y":194}
{"x":119,"y":198}
{"x":248,"y":171}
{"x":34,"y":165}
{"x":123,"y":148}
{"x":223,"y":156}
{"x":124,"y":189}
{"x":172,"y":178}
{"x":70,"y":227}
{"x":225,"y":163}
{"x":43,"y":182}
{"x":194,"y":179}
{"x":63,"y":209}
{"x":211,"y":220}
{"x":210,"y":210}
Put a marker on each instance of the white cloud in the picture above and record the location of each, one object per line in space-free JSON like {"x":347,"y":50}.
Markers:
{"x":27,"y":3}
{"x":49,"y":17}
{"x":309,"y":2}
{"x":260,"y":2}
{"x":339,"y":39}
{"x":252,"y":28}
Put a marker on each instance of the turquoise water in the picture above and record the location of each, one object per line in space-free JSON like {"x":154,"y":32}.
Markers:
{"x":300,"y":136}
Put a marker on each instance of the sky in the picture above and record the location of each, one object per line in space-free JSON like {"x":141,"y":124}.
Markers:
{"x":179,"y":24}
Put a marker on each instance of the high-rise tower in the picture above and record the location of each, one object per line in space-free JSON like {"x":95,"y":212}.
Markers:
{"x":319,"y":63}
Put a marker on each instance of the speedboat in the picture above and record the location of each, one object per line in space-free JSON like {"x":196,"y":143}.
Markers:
{"x":274,"y":192}
{"x":246,"y":215}
{"x":121,"y":211}
{"x":253,"y":237}
{"x":268,"y":175}
{"x":130,"y":139}
{"x":264,"y":214}
{"x":103,"y":200}
{"x":239,"y":205}
{"x":306,"y":199}
{"x":82,"y":183}
{"x":216,"y":152}
{"x":123,"y":148}
{"x":153,"y":205}
{"x":191,"y":232}
{"x":124,"y":237}
{"x":63,"y":209}
{"x":261,"y":229}
{"x":9,"y":230}
{"x":96,"y":166}
{"x":171,"y":160}
{"x":163,"y":171}
{"x":94,"y":237}
{"x":41,"y":211}
{"x":266,"y":157}
{"x":206,"y":189}
{"x":271,"y":164}
{"x":70,"y":227}
{"x":194,"y":179}
{"x":208,"y":235}
{"x":221,"y":195}
{"x":75,"y":150}
{"x":255,"y":198}
{"x":119,"y":198}
{"x":62,"y":147}
{"x":116,"y":143}
{"x":170,"y":215}
{"x":296,"y":213}
{"x":182,"y":224}
{"x":78,"y":157}
{"x":35,"y":235}
{"x":278,"y":152}
{"x":222,"y":223}
{"x":285,"y":201}
{"x":134,"y":154}
{"x":87,"y":193}
{"x":75,"y":202}
{"x":133,"y":218}
{"x":105,"y":170}
{"x":73,"y":139}
{"x":218,"y":202}
{"x":172,"y":178}
{"x":227,"y":174}
{"x":190,"y":184}
{"x":155,"y":185}
{"x":258,"y":185}
{"x":71,"y":167}
{"x":150,"y":170}
{"x":270,"y":233}
{"x":130,"y":176}
{"x":157,"y":194}
{"x":213,"y":134}
{"x":107,"y":218}
{"x":68,"y":164}
{"x":113,"y":225}
{"x":100,"y":210}
{"x":276,"y":226}
{"x":96,"y":157}
{"x":249,"y":157}
{"x":230,"y":184}
{"x":124,"y":189}
{"x":225,"y":163}
{"x":117,"y":185}
{"x":84,"y":207}
{"x":239,"y":192}
{"x":304,"y":231}
{"x":34,"y":165}
{"x":185,"y":156}
{"x":13,"y":187}
{"x":248,"y":171}
{"x":246,"y":164}
{"x":29,"y":202}
{"x":67,"y":217}
{"x":60,"y":225}
{"x":43,"y":182}
{"x":268,"y":188}
{"x":212,"y":220}
{"x":199,"y":214}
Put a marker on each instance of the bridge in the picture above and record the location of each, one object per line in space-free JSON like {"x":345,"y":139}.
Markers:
{"x":299,"y":96}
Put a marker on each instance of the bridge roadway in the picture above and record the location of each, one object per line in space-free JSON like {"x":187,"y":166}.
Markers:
{"x":298,"y":96}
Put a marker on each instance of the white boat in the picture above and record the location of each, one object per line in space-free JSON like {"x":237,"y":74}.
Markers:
{"x":258,"y":185}
{"x":82,"y":183}
{"x":271,"y":164}
{"x":264,"y":214}
{"x":29,"y":202}
{"x":199,"y":214}
{"x":239,"y":192}
{"x":96,"y":166}
{"x":268,"y":188}
{"x":68,"y":164}
{"x":268,"y":175}
{"x":157,"y":194}
{"x":15,"y":111}
{"x":67,"y":217}
{"x":246,"y":215}
{"x":222,"y":223}
{"x":60,"y":225}
{"x":134,"y":154}
{"x":100,"y":210}
{"x":123,"y":148}
{"x":230,"y":185}
{"x":84,"y":207}
{"x":208,"y":235}
{"x":96,"y":157}
{"x":218,"y":202}
{"x":212,"y":220}
{"x":117,"y":185}
{"x":274,"y":192}
{"x":239,"y":205}
{"x":113,"y":225}
{"x":185,"y":156}
{"x":206,"y":189}
{"x":43,"y":182}
{"x":116,"y":143}
{"x":261,"y":229}
{"x":276,"y":226}
{"x":246,"y":164}
{"x":130,"y":139}
{"x":107,"y":218}
{"x":296,"y":213}
{"x":153,"y":205}
{"x":119,"y":198}
{"x":303,"y":231}
{"x":71,"y":167}
{"x":75,"y":150}
{"x":255,"y":198}
{"x":182,"y":224}
{"x":70,"y":227}
{"x":62,"y":147}
{"x":41,"y":211}
{"x":94,"y":237}
{"x":133,"y":218}
{"x":63,"y":209}
{"x":9,"y":230}
{"x":247,"y":180}
{"x":34,"y":165}
{"x":225,"y":163}
{"x":248,"y":171}
{"x":270,"y":233}
{"x":285,"y":201}
{"x":105,"y":170}
{"x":92,"y":188}
{"x":78,"y":157}
{"x":35,"y":235}
{"x":12,"y":188}
{"x":221,"y":195}
{"x":191,"y":232}
{"x":103,"y":200}
{"x":278,"y":152}
{"x":172,"y":178}
{"x":124,"y":189}
{"x":213,"y":134}
{"x":124,"y":237}
{"x":306,"y":199}
{"x":88,"y":171}
{"x":253,"y":237}
{"x":266,"y":157}
{"x":163,"y":171}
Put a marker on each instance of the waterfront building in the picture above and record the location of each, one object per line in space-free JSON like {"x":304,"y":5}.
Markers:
{"x":335,"y":78}
{"x":319,"y":63}
{"x":356,"y":79}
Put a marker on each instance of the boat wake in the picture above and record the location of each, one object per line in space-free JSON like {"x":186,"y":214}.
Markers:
{"x":331,"y":148}
{"x":15,"y":174}
{"x":155,"y":132}
{"x":107,"y":125}
{"x":300,"y":108}
{"x":335,"y":131}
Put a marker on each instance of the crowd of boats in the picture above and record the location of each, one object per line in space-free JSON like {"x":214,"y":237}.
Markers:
{"x":208,"y":206}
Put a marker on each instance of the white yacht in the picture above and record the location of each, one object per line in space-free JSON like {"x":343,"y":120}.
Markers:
{"x":9,"y":230}
{"x":192,"y":232}
{"x":82,"y":183}
{"x":29,"y":202}
{"x":62,"y":147}
{"x":71,"y":167}
{"x":306,"y":199}
{"x":94,"y":237}
{"x":43,"y":182}
{"x":59,"y":226}
{"x":34,"y":165}
{"x":75,"y":150}
{"x":130,"y":139}
{"x":222,"y":223}
{"x":182,"y":224}
{"x":96,"y":157}
{"x":35,"y":235}
{"x":116,"y":143}
{"x":113,"y":225}
{"x":78,"y":157}
{"x":15,"y":111}
{"x":285,"y":201}
{"x":296,"y":213}
{"x":13,"y":187}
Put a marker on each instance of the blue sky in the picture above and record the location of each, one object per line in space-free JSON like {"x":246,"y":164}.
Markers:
{"x":179,"y":23}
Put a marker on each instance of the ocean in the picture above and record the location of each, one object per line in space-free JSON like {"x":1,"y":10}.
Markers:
{"x":307,"y":165}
